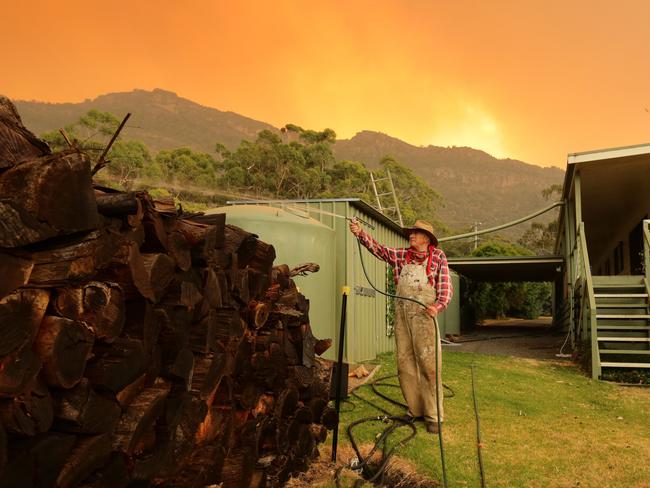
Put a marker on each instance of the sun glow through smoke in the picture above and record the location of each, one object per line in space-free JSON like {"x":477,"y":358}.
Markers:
{"x":513,"y":78}
{"x":474,"y":127}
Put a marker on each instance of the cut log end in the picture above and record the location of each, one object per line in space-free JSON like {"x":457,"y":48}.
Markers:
{"x":64,"y":346}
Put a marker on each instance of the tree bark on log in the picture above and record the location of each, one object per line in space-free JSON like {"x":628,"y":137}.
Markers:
{"x":263,"y":258}
{"x":180,"y":250}
{"x":238,"y":468}
{"x":18,"y":143}
{"x":180,"y":371}
{"x":217,"y":424}
{"x":139,"y":273}
{"x":87,"y":455}
{"x":84,"y":411}
{"x":18,"y":370}
{"x":138,"y":420}
{"x":100,"y":305}
{"x":201,"y":238}
{"x":208,"y":373}
{"x":227,"y":324}
{"x":3,"y":449}
{"x":63,"y":346}
{"x":154,"y":224}
{"x":21,"y":314}
{"x":116,"y":365}
{"x":126,"y":395}
{"x":29,"y":413}
{"x":15,"y":272}
{"x":216,"y":221}
{"x":160,"y":273}
{"x":242,"y":243}
{"x":117,"y":204}
{"x":203,"y":467}
{"x":75,"y":259}
{"x":46,"y":197}
{"x":212,"y":289}
{"x":114,"y":474}
{"x":36,"y":461}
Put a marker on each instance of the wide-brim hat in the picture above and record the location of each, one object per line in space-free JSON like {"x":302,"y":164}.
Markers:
{"x":422,"y":226}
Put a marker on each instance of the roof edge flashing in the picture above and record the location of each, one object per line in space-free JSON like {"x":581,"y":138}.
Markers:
{"x":358,"y":203}
{"x":610,"y":153}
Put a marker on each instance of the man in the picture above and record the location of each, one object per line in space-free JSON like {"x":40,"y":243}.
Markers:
{"x":421,"y":272}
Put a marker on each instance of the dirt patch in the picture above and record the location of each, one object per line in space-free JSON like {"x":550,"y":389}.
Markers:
{"x":321,"y":470}
{"x":400,"y":473}
{"x":533,"y":339}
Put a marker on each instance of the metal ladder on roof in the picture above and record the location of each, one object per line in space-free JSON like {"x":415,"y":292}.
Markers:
{"x":622,"y":321}
{"x":394,"y":209}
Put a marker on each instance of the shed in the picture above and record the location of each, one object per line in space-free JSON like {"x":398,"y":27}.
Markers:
{"x":369,"y":328}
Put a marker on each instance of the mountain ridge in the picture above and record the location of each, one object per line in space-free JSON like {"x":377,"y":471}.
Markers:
{"x":168,"y":121}
{"x":476,"y":186}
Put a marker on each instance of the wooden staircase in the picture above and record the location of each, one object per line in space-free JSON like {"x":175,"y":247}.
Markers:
{"x":622,"y":321}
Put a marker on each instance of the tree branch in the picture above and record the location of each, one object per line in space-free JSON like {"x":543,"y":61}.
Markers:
{"x":101,"y":162}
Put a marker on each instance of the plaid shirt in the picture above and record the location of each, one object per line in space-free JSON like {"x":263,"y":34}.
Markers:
{"x":396,"y":257}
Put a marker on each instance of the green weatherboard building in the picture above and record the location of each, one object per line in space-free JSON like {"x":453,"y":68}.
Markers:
{"x":304,"y":231}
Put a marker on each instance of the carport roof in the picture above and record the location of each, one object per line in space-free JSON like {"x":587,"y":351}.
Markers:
{"x":508,"y":268}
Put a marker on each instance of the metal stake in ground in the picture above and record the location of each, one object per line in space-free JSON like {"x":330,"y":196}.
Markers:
{"x":339,"y":370}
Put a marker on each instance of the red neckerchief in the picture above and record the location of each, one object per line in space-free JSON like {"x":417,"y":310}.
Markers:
{"x":411,"y":255}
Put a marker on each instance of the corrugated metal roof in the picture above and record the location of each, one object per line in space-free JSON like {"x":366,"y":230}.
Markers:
{"x":355,"y":202}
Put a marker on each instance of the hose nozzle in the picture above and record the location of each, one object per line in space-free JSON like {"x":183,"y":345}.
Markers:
{"x":358,"y":220}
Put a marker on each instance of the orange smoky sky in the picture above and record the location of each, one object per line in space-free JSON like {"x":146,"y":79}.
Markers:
{"x":531,"y":80}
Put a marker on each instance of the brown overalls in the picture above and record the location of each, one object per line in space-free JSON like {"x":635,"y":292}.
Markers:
{"x":415,"y":337}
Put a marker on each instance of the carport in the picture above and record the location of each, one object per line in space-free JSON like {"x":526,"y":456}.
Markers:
{"x":514,"y":268}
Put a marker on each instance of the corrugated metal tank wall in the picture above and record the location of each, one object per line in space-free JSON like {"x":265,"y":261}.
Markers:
{"x":368,"y":335}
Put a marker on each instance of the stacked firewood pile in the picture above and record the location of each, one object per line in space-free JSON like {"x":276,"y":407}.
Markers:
{"x":141,"y":346}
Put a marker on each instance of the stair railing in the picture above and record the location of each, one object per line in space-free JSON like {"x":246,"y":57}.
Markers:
{"x":646,"y":257}
{"x":587,"y":311}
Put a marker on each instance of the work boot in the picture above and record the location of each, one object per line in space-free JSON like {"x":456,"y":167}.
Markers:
{"x":432,"y":426}
{"x":411,"y":418}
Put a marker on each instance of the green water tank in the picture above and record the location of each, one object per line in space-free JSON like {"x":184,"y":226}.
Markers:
{"x":297,"y":239}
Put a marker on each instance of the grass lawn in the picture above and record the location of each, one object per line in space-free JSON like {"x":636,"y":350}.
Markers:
{"x":543,"y":424}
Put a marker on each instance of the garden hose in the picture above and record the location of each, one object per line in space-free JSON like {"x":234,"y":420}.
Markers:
{"x":364,"y":463}
{"x":479,"y":444}
{"x":377,"y":383}
{"x":374,"y":474}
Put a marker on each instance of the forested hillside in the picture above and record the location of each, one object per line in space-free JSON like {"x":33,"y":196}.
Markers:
{"x":294,"y":163}
{"x":467,"y":185}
